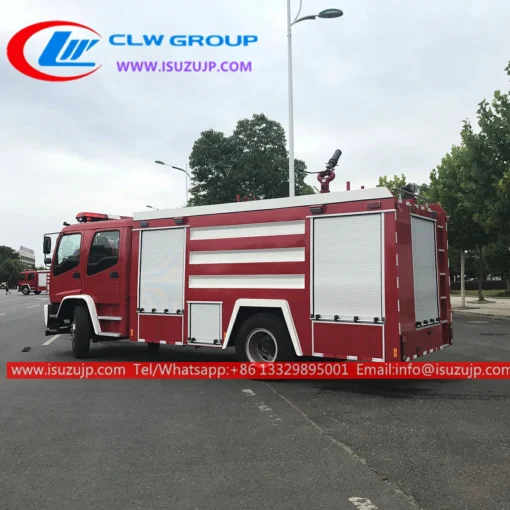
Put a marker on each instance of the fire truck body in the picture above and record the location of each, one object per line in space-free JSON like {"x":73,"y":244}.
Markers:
{"x":354,"y":275}
{"x":32,"y":280}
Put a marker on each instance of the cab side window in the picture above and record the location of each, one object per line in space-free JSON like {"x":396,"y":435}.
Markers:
{"x":104,"y":251}
{"x":22,"y":276}
{"x":31,"y":276}
{"x":68,"y":254}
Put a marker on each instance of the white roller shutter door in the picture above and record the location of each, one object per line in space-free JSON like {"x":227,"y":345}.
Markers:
{"x":162,"y":270}
{"x":424,"y":270}
{"x":205,"y":322}
{"x":42,"y":279}
{"x":348,"y":267}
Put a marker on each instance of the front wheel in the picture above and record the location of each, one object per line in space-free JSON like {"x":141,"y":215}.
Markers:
{"x":26,"y":291}
{"x":81,"y":332}
{"x":264,"y":338}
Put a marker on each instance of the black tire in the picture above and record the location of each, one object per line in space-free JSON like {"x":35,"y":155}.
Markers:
{"x":26,"y":291}
{"x":82,"y":332}
{"x":153,"y":346}
{"x":267,"y":329}
{"x":37,"y":292}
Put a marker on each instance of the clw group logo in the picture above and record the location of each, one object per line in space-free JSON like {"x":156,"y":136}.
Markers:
{"x":70,"y":50}
{"x":63,"y":58}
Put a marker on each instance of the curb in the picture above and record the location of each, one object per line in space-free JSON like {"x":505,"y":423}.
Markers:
{"x":467,"y":313}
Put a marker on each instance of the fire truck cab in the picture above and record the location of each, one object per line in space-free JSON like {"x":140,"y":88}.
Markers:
{"x":350,"y":275}
{"x":32,"y":280}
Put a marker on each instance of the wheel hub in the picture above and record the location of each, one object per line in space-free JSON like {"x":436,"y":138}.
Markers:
{"x":261,"y":346}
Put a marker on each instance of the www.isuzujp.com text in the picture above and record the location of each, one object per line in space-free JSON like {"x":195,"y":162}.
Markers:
{"x":183,"y":66}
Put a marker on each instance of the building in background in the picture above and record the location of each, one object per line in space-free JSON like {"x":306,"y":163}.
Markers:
{"x":26,"y":256}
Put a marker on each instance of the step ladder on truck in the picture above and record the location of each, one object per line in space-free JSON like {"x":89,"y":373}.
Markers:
{"x":347,"y":275}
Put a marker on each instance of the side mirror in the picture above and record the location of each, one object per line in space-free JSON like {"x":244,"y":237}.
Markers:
{"x":47,"y":261}
{"x":47,"y":245}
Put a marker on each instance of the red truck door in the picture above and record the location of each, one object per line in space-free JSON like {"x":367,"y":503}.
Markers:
{"x":67,"y":270}
{"x":106,"y":275}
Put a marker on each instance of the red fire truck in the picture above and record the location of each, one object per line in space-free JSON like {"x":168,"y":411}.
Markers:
{"x":350,"y":275}
{"x":32,"y":280}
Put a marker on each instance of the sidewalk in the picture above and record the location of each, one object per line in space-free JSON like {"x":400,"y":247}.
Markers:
{"x":494,"y":307}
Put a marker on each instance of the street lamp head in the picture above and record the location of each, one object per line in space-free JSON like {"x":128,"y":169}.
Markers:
{"x":159,"y":162}
{"x":330,"y":13}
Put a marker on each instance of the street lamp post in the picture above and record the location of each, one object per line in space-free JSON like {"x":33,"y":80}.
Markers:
{"x":181,"y":170}
{"x":326,"y":14}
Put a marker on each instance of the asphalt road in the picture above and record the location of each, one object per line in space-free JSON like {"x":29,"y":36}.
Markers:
{"x":162,"y":444}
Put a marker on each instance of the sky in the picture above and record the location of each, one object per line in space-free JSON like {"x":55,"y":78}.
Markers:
{"x":389,"y":83}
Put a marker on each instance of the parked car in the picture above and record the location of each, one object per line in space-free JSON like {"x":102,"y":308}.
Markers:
{"x":3,"y":285}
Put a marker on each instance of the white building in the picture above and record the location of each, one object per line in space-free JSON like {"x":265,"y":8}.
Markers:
{"x":27,"y":256}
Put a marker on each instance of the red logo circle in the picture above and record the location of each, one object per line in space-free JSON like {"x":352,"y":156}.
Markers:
{"x":16,"y":51}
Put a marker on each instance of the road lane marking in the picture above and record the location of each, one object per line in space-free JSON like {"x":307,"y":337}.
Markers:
{"x":14,"y":300}
{"x":346,"y":448}
{"x":52,"y":339}
{"x":263,"y":407}
{"x":2,"y":314}
{"x":32,"y":306}
{"x":363,"y":503}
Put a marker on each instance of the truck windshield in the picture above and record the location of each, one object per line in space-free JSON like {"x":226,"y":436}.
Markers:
{"x":68,"y":253}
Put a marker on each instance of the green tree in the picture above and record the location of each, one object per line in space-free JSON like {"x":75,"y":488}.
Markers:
{"x":8,"y":253}
{"x":394,"y":185}
{"x":497,"y":256}
{"x":487,"y":174}
{"x":251,"y":162}
{"x":494,"y":123}
{"x":10,"y":270}
{"x":448,"y":184}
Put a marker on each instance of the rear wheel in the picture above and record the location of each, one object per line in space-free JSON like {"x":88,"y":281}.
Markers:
{"x":81,"y":332}
{"x":37,"y":292}
{"x":153,"y":346}
{"x":26,"y":291}
{"x":264,"y":338}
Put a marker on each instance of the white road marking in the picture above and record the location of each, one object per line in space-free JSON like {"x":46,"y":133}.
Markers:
{"x":478,"y":322}
{"x":343,"y":446}
{"x":32,"y":306}
{"x":52,"y":339}
{"x":2,"y":314}
{"x":363,"y":503}
{"x":13,"y":300}
{"x":261,"y":406}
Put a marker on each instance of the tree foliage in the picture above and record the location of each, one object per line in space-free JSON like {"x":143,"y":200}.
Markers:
{"x":10,"y":270}
{"x":394,"y":185}
{"x":497,"y":258}
{"x":494,"y":123}
{"x":252,"y":161}
{"x":448,"y":187}
{"x":472,"y":184}
{"x":7,"y":252}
